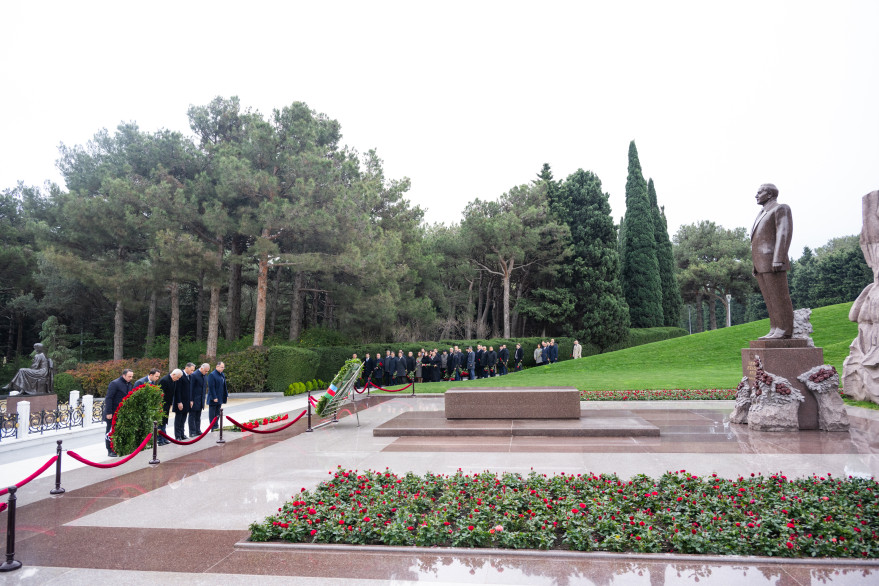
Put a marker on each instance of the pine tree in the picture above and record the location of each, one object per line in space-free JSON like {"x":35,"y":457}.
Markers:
{"x":592,"y":273}
{"x":671,"y":293}
{"x":642,"y":285}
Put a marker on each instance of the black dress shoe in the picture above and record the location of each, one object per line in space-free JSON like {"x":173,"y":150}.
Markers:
{"x":163,"y":442}
{"x":112,"y":454}
{"x":182,"y":437}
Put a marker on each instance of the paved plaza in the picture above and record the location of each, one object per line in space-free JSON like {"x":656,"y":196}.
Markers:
{"x":185,"y":521}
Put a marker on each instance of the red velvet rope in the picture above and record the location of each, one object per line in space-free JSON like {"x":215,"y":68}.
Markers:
{"x":254,"y":430}
{"x":389,"y":390}
{"x":76,"y":456}
{"x":42,"y":469}
{"x":192,"y":441}
{"x":2,"y":507}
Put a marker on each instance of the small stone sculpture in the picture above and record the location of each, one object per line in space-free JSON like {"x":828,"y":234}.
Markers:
{"x":803,"y":325}
{"x":860,"y":371}
{"x":823,"y":381}
{"x":743,"y":402}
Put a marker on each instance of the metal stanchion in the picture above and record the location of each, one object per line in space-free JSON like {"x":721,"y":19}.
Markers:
{"x":309,"y":413}
{"x":413,"y":389}
{"x":11,"y":563}
{"x":221,"y":440}
{"x":57,"y":489}
{"x":155,"y":459}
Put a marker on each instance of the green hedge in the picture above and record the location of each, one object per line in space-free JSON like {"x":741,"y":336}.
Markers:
{"x":64,"y":383}
{"x":246,"y":371}
{"x":289,"y":365}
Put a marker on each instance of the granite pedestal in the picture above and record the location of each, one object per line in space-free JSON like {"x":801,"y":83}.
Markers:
{"x":789,"y":359}
{"x":41,"y":402}
{"x":513,"y":403}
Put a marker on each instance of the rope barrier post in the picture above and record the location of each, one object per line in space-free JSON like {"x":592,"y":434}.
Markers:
{"x":413,"y":389}
{"x":11,"y":563}
{"x":58,"y":489}
{"x":155,"y":459}
{"x":221,"y":440}
{"x":368,"y":384}
{"x":309,"y":413}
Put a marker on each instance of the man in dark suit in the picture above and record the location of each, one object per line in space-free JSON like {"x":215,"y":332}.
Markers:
{"x":197,"y":390}
{"x":480,"y":361}
{"x":218,"y":393}
{"x":553,"y":351}
{"x":770,"y":241}
{"x":518,"y":357}
{"x":117,"y":390}
{"x":471,"y":362}
{"x":390,"y":367}
{"x":503,"y":357}
{"x":436,"y":366}
{"x":491,"y":362}
{"x":168,"y":384}
{"x":368,"y":366}
{"x":183,"y":402}
{"x":149,"y":379}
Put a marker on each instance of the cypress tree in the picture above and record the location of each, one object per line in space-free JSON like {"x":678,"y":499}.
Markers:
{"x":592,"y":274}
{"x":642,"y":285}
{"x":671,"y":293}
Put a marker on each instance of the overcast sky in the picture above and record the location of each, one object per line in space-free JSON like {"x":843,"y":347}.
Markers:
{"x":469,"y":99}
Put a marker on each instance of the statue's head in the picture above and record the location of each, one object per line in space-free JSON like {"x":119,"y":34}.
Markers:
{"x":38,"y":348}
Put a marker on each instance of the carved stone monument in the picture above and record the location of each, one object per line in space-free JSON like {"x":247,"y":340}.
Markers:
{"x":860,"y":371}
{"x":38,"y":379}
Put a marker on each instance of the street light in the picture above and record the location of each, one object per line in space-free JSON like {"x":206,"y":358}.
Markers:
{"x":728,"y":310}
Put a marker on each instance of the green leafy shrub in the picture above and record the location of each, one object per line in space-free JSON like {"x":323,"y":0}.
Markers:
{"x":288,"y":364}
{"x":247,"y":370}
{"x":134,"y":418}
{"x":93,"y":378}
{"x":64,"y":383}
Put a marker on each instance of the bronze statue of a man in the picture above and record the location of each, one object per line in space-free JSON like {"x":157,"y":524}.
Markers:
{"x":27,"y":380}
{"x":770,"y":241}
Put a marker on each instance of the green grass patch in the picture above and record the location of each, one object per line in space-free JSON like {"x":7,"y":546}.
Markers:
{"x":864,"y":404}
{"x":817,"y":516}
{"x":708,"y":360}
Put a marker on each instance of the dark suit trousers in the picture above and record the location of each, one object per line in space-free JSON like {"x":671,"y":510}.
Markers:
{"x":214,"y":411}
{"x":195,"y":421}
{"x":180,"y":423}
{"x":775,"y":292}
{"x":106,"y":435}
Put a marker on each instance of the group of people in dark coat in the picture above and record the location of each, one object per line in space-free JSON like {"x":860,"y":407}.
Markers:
{"x":434,"y":366}
{"x":185,"y":392}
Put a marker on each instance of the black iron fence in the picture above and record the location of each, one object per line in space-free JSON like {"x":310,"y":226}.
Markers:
{"x":40,"y":422}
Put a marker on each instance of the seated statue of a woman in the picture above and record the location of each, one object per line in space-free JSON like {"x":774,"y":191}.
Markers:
{"x":29,"y":381}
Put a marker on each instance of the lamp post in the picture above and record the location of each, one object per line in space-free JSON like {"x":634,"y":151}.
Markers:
{"x":728,"y":310}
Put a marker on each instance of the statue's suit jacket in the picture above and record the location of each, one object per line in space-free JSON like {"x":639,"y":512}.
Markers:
{"x":770,"y":237}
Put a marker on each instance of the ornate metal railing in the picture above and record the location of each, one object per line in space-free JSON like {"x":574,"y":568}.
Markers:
{"x":8,"y":425}
{"x":51,"y":420}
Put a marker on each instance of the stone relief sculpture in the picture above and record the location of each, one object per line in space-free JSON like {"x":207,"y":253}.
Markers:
{"x":860,"y":371}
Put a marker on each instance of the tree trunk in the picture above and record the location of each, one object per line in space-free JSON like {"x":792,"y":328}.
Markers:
{"x":199,"y":308}
{"x":151,"y":322}
{"x":262,"y":285}
{"x":118,"y":326}
{"x":273,"y":311}
{"x":174,"y":335}
{"x":508,"y":270}
{"x":482,"y":323}
{"x":700,"y":320}
{"x":19,"y":339}
{"x":468,"y":325}
{"x":712,"y":311}
{"x":214,"y":310}
{"x":296,"y":306}
{"x":10,"y":343}
{"x":233,"y":311}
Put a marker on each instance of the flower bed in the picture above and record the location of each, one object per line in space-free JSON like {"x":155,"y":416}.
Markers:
{"x":660,"y":395}
{"x":255,"y":423}
{"x":772,"y":515}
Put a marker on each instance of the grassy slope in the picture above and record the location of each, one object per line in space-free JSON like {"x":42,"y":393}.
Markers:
{"x":708,"y":360}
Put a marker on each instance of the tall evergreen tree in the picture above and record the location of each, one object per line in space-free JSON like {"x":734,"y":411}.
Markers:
{"x":642,"y":285}
{"x":671,"y":293}
{"x":592,"y":274}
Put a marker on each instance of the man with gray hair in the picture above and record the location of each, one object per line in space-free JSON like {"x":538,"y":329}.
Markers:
{"x":183,"y":402}
{"x":197,"y":391}
{"x":168,"y":384}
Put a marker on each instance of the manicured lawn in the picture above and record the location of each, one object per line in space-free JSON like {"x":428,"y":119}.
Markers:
{"x":709,"y":360}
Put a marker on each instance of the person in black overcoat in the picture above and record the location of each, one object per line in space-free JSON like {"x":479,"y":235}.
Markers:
{"x":491,"y":362}
{"x":503,"y":357}
{"x":168,"y":384}
{"x":117,"y":390}
{"x":518,"y":357}
{"x":197,"y":392}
